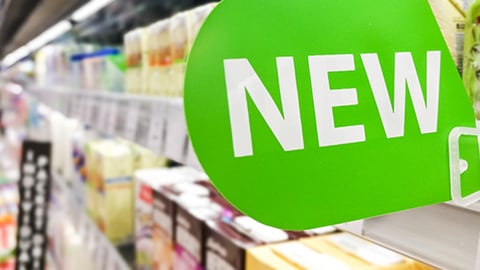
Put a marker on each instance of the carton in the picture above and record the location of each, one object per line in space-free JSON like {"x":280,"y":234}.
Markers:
{"x":164,"y":210}
{"x":451,"y":20}
{"x":110,"y":188}
{"x":225,"y":248}
{"x":360,"y":254}
{"x":188,"y":240}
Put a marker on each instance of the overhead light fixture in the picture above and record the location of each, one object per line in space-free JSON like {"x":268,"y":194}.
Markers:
{"x":15,"y":56}
{"x":14,"y":88}
{"x":50,"y":34}
{"x":89,"y":9}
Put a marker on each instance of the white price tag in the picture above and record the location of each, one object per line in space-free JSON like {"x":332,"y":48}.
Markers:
{"x":94,"y":112}
{"x":100,"y":117}
{"x":69,"y":105}
{"x":156,"y":136}
{"x":75,"y":103}
{"x":142,"y":130}
{"x":52,"y":102}
{"x":132,"y":119}
{"x":110,"y":262}
{"x":63,"y":107}
{"x":61,"y":103}
{"x":104,"y":250}
{"x":79,"y":107}
{"x":111,"y":118}
{"x":176,"y":136}
{"x":86,"y":110}
{"x":121,"y":117}
{"x":83,"y":229}
{"x":89,"y":236}
{"x":191,"y":159}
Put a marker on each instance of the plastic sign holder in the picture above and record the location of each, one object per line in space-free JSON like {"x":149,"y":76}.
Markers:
{"x":459,"y":166}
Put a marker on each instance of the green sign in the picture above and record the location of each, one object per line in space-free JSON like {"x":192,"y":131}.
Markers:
{"x":311,"y":112}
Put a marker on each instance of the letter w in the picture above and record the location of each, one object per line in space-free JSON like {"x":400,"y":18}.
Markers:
{"x":405,"y":74}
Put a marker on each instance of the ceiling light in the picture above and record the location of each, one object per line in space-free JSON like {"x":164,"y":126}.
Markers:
{"x":89,"y":9}
{"x":15,"y":56}
{"x":49,"y":35}
{"x":14,"y":88}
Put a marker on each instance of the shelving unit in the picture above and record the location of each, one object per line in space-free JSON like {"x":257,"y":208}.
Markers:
{"x":106,"y":255}
{"x":444,"y":236}
{"x":153,"y":122}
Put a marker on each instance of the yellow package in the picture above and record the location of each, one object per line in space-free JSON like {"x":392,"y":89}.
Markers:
{"x":451,"y":20}
{"x":115,"y":206}
{"x":360,"y":254}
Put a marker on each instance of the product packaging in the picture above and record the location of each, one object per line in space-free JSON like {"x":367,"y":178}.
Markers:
{"x":161,"y":60}
{"x":164,"y":210}
{"x":146,"y":183}
{"x":194,"y":207}
{"x":360,"y":254}
{"x":196,"y":18}
{"x":134,"y":60}
{"x":110,"y":188}
{"x":451,"y":19}
{"x":154,"y":215}
{"x":471,"y":56}
{"x":179,"y":46}
{"x":291,"y":255}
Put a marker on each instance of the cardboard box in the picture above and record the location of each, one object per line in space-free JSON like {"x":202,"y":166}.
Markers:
{"x":143,"y":221}
{"x":361,"y":254}
{"x":110,"y":188}
{"x":164,"y":210}
{"x":225,"y":248}
{"x":189,"y":238}
{"x":263,"y":258}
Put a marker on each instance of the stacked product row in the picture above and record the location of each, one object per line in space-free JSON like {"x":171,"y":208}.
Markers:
{"x":156,"y":55}
{"x":152,"y":61}
{"x":182,"y":222}
{"x":104,"y":183}
{"x":80,"y":66}
{"x":179,"y":220}
{"x":153,"y":58}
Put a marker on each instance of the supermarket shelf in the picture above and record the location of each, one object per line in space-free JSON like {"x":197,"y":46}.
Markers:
{"x":104,"y":254}
{"x":153,"y":122}
{"x":444,"y":235}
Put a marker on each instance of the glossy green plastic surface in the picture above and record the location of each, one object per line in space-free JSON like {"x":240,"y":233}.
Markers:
{"x":318,"y":186}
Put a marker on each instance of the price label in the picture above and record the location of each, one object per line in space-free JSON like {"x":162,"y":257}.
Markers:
{"x":103,"y":252}
{"x":191,"y":159}
{"x":94,"y":111}
{"x":176,"y":135}
{"x":131,"y":120}
{"x":145,"y":111}
{"x":100,"y":117}
{"x":83,"y":229}
{"x":69,"y":106}
{"x":121,"y":117}
{"x":75,"y":102}
{"x":91,"y":237}
{"x":111,"y":119}
{"x":85,"y":110}
{"x":64,"y":104}
{"x":51,"y":101}
{"x":60,"y":103}
{"x":156,"y":135}
{"x":110,"y":262}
